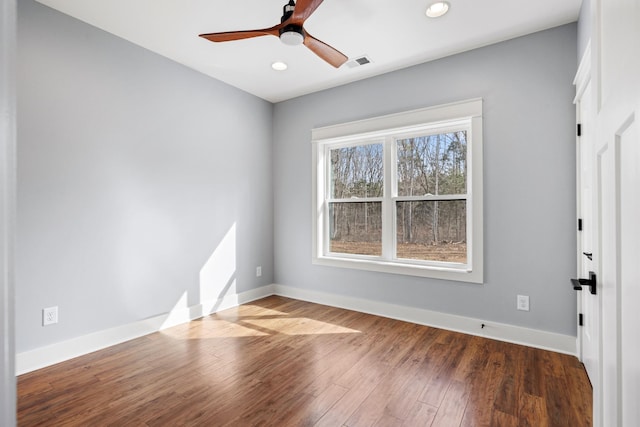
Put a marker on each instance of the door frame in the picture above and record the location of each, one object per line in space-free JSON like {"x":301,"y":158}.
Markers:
{"x":582,"y":81}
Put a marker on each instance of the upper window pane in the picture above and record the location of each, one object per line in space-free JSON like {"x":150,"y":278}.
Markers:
{"x":357,"y":171}
{"x":432,"y":164}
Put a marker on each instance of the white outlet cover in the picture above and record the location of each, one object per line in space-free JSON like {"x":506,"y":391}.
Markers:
{"x":259,"y":271}
{"x":49,"y":316}
{"x":523,"y":303}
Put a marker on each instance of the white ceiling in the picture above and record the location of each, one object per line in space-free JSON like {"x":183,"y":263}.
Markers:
{"x":394,"y":34}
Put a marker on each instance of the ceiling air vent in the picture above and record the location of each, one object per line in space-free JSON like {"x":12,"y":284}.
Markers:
{"x":359,"y":61}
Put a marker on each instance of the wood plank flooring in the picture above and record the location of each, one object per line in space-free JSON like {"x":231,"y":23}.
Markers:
{"x":282,"y":362}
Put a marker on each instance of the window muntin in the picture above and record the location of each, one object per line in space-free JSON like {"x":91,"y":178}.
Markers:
{"x":402,"y":193}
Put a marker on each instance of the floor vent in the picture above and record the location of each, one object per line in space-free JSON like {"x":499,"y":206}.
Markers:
{"x":359,"y":61}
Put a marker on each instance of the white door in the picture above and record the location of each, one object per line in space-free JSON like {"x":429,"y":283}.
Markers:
{"x":588,"y":303}
{"x":617,"y":150}
{"x":618,"y":164}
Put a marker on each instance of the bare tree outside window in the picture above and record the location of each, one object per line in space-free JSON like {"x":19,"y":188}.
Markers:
{"x":357,"y":176}
{"x":431,"y":210}
{"x":402,"y":193}
{"x":430,"y":205}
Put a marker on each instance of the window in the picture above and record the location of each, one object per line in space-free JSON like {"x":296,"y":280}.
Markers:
{"x":402,"y":193}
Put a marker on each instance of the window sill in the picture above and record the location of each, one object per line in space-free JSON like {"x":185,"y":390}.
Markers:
{"x":444,"y":273}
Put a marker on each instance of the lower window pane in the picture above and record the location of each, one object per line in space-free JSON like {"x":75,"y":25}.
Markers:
{"x":355,"y":228}
{"x":432,"y":231}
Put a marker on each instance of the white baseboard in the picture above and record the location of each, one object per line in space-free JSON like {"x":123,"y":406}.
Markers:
{"x":59,"y":352}
{"x":499,"y":331}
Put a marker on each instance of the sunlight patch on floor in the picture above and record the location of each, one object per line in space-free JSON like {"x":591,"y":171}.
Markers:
{"x":298,"y":326}
{"x":249,"y":310}
{"x":254,"y":326}
{"x":215,"y":329}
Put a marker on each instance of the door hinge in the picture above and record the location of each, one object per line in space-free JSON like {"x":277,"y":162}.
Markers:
{"x":579,"y":224}
{"x":580,"y":319}
{"x":579,"y":129}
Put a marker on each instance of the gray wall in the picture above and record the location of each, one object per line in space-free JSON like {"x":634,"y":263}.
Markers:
{"x":584,"y":27}
{"x":529,"y":180}
{"x":7,"y":211}
{"x":132,"y":172}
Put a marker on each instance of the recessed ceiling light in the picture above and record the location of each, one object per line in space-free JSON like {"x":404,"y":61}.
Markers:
{"x":279,"y":66}
{"x":437,"y":9}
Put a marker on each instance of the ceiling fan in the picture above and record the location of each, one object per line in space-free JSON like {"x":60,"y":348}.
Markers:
{"x":291,"y":32}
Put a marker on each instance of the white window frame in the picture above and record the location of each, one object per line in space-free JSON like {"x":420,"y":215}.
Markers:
{"x":464,"y":115}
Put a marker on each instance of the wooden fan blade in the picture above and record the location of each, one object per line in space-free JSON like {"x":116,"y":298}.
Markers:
{"x":239,"y":35}
{"x":324,"y":51}
{"x":303,"y":10}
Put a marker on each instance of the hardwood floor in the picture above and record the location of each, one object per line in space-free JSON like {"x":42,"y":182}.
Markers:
{"x":282,"y":362}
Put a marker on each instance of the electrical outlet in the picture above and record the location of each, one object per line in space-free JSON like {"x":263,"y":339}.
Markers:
{"x":523,"y":303}
{"x":49,"y":316}
{"x":259,"y":271}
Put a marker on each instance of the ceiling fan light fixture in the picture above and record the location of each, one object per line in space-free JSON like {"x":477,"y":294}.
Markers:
{"x":437,"y":9}
{"x":291,"y":38}
{"x":279,"y":66}
{"x":290,"y":31}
